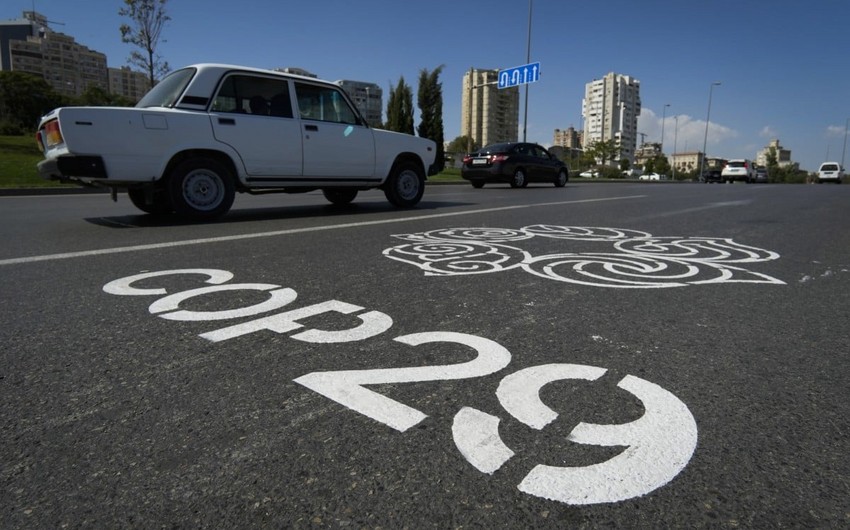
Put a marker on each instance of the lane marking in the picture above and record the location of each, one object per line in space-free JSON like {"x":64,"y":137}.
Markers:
{"x":221,"y":239}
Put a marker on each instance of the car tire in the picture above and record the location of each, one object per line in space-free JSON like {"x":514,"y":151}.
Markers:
{"x":159,"y":201}
{"x":561,"y":179}
{"x":339,"y":197}
{"x":519,"y":179}
{"x":201,"y":189}
{"x":405,"y":185}
{"x":478,"y":184}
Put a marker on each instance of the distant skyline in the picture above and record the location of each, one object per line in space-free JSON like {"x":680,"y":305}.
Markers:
{"x":782,"y":64}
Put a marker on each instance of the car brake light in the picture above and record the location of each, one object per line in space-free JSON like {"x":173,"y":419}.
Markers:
{"x":39,"y":142}
{"x":51,"y":133}
{"x":467,"y":159}
{"x":498,"y":158}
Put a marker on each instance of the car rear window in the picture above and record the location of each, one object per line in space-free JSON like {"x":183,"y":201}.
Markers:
{"x":829,"y":167}
{"x":737,"y":164}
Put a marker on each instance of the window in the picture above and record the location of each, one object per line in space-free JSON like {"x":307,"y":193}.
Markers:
{"x":249,"y":94}
{"x":323,"y":104}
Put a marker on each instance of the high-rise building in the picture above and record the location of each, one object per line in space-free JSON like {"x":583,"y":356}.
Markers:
{"x":128,"y":83}
{"x":610,"y":109}
{"x":783,"y":156}
{"x":569,"y":138}
{"x":368,"y":97}
{"x":488,"y":114}
{"x":29,"y":45}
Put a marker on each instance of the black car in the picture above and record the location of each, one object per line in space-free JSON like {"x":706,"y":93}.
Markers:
{"x":711,"y":175}
{"x":516,"y":163}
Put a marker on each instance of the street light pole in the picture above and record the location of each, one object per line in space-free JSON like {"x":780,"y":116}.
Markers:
{"x":844,"y":149}
{"x":663,"y":117}
{"x":528,"y":60}
{"x":707,"y":119}
{"x":675,"y":142}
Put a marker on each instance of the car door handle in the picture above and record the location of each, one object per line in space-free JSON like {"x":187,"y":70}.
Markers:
{"x":226,"y":121}
{"x":311,"y":127}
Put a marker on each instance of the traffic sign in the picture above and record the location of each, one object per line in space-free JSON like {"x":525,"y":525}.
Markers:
{"x":519,"y":75}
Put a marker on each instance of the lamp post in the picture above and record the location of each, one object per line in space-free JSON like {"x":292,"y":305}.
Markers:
{"x":663,"y":117}
{"x":707,"y":119}
{"x":528,"y":60}
{"x":844,"y":149}
{"x":675,"y":142}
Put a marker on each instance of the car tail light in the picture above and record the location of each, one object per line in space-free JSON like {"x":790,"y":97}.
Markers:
{"x":467,"y":159}
{"x":51,"y":135}
{"x":498,"y":158}
{"x":39,"y":142}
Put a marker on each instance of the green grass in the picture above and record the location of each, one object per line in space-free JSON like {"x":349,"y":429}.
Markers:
{"x":18,"y":158}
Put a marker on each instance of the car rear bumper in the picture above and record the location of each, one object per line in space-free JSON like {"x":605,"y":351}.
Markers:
{"x":66,"y":167}
{"x":492,"y":173}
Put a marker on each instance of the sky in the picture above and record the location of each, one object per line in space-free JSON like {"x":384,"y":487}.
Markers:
{"x":783,"y":65}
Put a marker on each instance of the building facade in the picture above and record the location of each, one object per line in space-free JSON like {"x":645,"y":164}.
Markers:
{"x":128,"y":83}
{"x":569,"y":138}
{"x":610,"y":109}
{"x":488,"y":114}
{"x":29,"y":45}
{"x":783,"y":156}
{"x":369,"y":99}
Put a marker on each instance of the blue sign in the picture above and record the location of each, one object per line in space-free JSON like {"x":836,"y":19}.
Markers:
{"x":519,"y":75}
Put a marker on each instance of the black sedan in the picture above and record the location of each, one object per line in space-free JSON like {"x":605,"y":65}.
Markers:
{"x":514,"y":163}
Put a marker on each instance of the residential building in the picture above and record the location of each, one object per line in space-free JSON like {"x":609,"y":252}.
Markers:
{"x":783,"y":156}
{"x":488,"y":114}
{"x":646,"y":152}
{"x":368,"y":97}
{"x":128,"y":83}
{"x":568,"y":137}
{"x":610,"y":109}
{"x":29,"y":45}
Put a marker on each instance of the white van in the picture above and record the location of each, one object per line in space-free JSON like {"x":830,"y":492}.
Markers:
{"x":830,"y":172}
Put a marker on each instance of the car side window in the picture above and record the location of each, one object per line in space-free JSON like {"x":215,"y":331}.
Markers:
{"x":323,"y":103}
{"x":249,"y":94}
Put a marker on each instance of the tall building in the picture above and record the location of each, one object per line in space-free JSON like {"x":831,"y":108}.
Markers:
{"x":569,"y":138}
{"x":368,"y":97}
{"x":610,"y":109}
{"x":128,"y":83}
{"x":488,"y":114}
{"x":29,"y":45}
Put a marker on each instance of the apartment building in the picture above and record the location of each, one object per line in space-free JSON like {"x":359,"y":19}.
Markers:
{"x":128,"y":83}
{"x":783,"y":156}
{"x":610,"y":109}
{"x":368,"y":97}
{"x":488,"y":114}
{"x":29,"y":45}
{"x":569,"y":138}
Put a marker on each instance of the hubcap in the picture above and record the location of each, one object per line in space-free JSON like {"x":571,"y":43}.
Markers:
{"x":203,"y":190}
{"x":408,"y":184}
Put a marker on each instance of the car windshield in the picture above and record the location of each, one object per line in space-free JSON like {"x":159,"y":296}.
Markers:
{"x":495,"y":148}
{"x":166,"y":92}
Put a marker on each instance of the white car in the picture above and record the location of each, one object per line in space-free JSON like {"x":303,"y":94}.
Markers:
{"x":208,"y":131}
{"x":830,"y":172}
{"x":739,"y":169}
{"x":589,"y":174}
{"x":652,"y":176}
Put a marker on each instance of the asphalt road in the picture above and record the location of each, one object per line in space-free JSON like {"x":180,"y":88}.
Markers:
{"x":636,"y":355}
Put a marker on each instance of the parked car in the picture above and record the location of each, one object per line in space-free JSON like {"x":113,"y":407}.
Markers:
{"x":652,"y":176}
{"x":589,"y":174}
{"x":738,"y":169}
{"x":208,"y":131}
{"x":830,"y":172}
{"x":634,"y":172}
{"x":761,"y":174}
{"x":516,"y":163}
{"x":711,"y":175}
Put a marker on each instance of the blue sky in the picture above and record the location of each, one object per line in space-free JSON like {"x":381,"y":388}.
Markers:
{"x":783,"y":64}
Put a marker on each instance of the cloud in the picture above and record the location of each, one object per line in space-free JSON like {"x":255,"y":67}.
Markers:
{"x":768,"y":132}
{"x":683,"y":133}
{"x":835,"y":130}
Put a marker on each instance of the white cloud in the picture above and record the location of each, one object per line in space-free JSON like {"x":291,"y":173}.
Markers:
{"x":835,"y":130}
{"x":768,"y":132}
{"x":683,"y":133}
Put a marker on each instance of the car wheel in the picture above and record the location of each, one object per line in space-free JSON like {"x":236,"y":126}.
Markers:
{"x":519,"y":180}
{"x":477,"y":183}
{"x":154,"y":201}
{"x":406,"y":184}
{"x":201,"y":189}
{"x":561,"y":179}
{"x":340,"y":196}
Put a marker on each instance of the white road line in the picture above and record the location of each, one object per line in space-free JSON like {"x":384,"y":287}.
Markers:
{"x":187,"y":242}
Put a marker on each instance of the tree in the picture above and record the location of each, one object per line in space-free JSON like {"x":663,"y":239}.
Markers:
{"x":148,"y":18}
{"x":400,"y":108}
{"x":24,"y":98}
{"x":604,"y":150}
{"x":430,"y":101}
{"x":460,"y":144}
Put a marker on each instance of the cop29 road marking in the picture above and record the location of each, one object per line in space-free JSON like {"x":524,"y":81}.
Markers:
{"x":275,"y":233}
{"x":657,"y":446}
